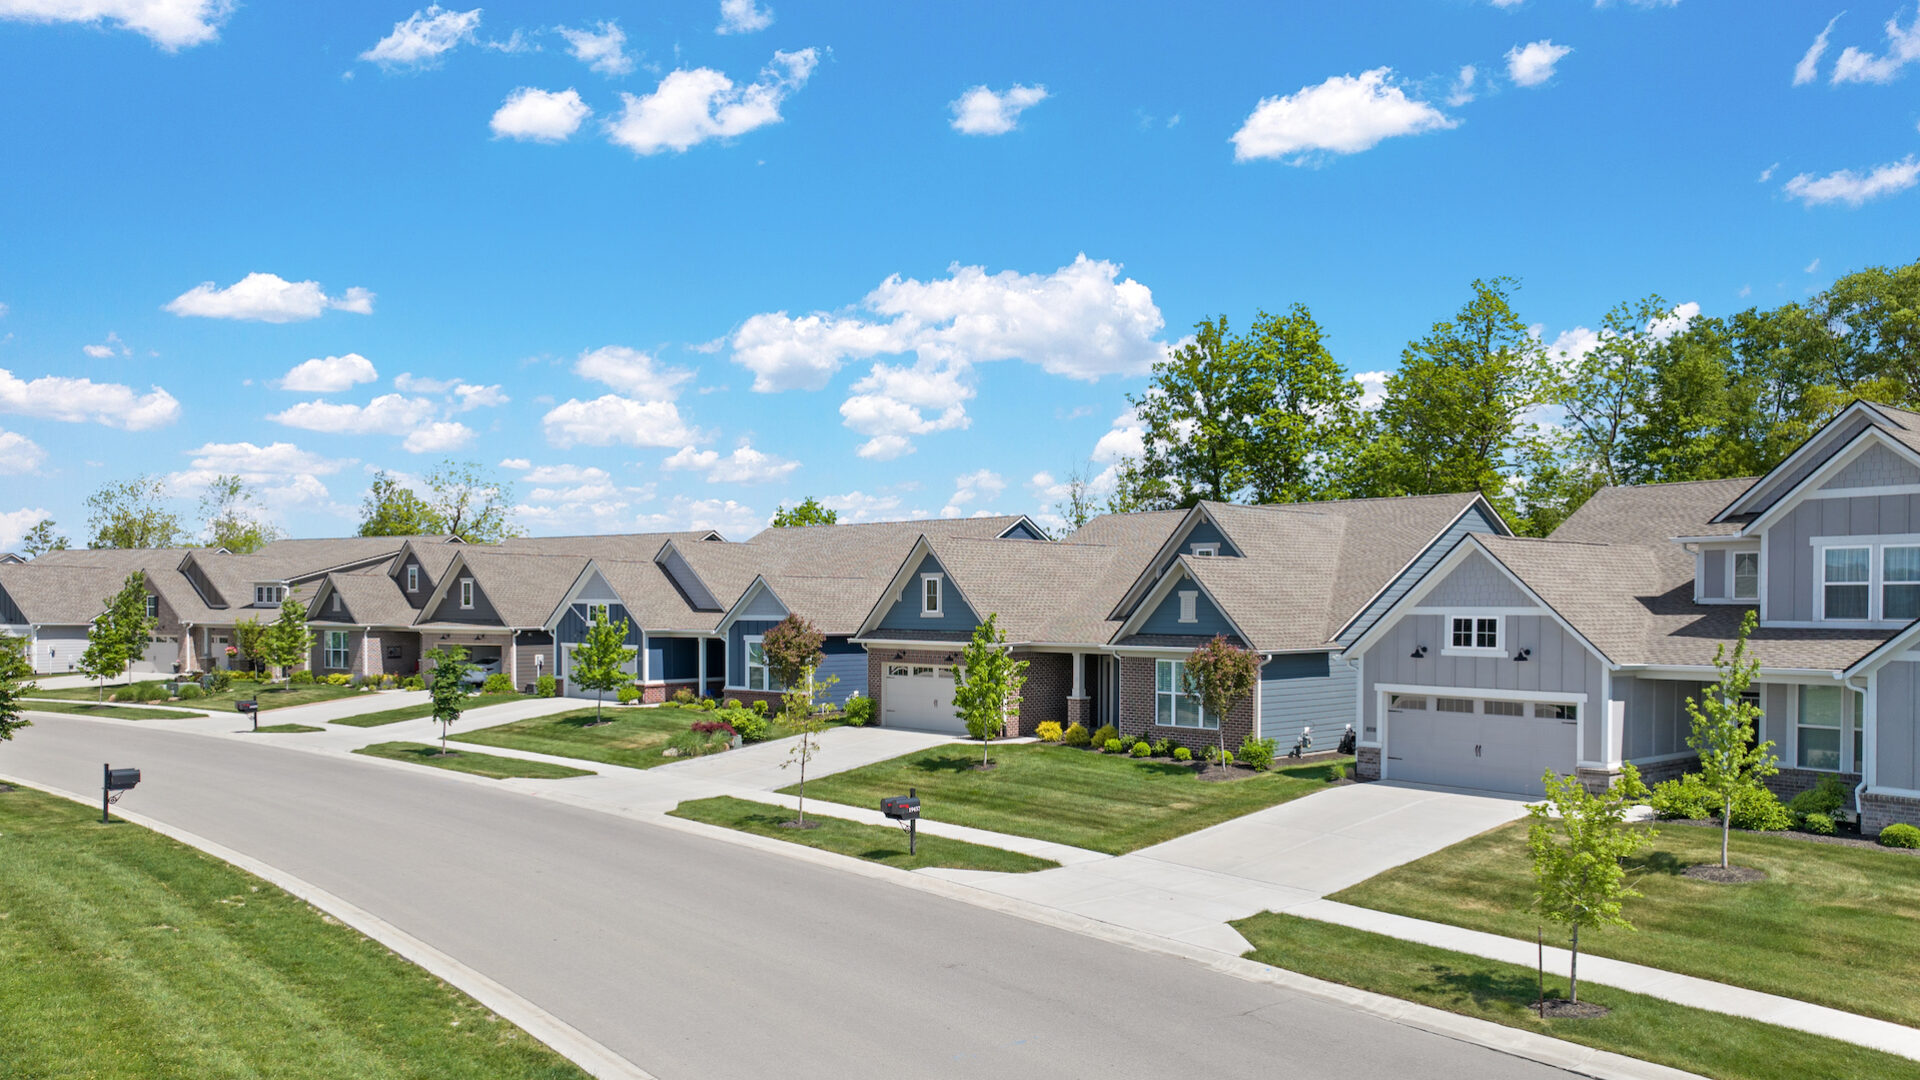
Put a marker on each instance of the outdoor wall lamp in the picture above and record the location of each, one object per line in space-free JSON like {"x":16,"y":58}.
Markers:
{"x":899,"y":656}
{"x":1419,"y":652}
{"x":948,"y":658}
{"x":1522,"y":656}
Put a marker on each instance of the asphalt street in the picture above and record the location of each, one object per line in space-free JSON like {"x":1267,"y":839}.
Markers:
{"x":696,"y":958}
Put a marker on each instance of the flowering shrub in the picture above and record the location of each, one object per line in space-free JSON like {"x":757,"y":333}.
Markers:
{"x":708,"y":727}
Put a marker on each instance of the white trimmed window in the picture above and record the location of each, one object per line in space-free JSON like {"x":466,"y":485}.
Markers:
{"x":153,"y":606}
{"x":1189,"y":603}
{"x":337,"y":650}
{"x":598,"y":611}
{"x":931,"y":588}
{"x":268,"y":594}
{"x":1206,"y":549}
{"x":1474,"y":635}
{"x":759,"y":676}
{"x":1900,"y":582}
{"x":1172,"y":705}
{"x":1845,"y":590}
{"x":1746,"y":575}
{"x":1819,"y":724}
{"x":413,"y":578}
{"x":466,"y":593}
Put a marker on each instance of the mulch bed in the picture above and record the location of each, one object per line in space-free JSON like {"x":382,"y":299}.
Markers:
{"x":1849,"y":836}
{"x":1562,"y":1009}
{"x":1724,"y":875}
{"x":1214,"y":774}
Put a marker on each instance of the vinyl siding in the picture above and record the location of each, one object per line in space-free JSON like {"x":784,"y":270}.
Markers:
{"x":58,"y":648}
{"x":764,"y":605}
{"x":1877,"y":466}
{"x":1896,"y":720}
{"x":737,"y":647}
{"x":905,"y":612}
{"x":1713,"y":582}
{"x":688,"y":582}
{"x":1475,"y":520}
{"x":673,"y":659}
{"x":573,"y":623}
{"x":1023,"y":531}
{"x":1792,"y":563}
{"x":1165,"y":619}
{"x":10,"y":613}
{"x":1477,"y":582}
{"x":1765,"y":492}
{"x":847,"y":662}
{"x":450,"y":611}
{"x":1306,"y":690}
{"x":1655,"y":715}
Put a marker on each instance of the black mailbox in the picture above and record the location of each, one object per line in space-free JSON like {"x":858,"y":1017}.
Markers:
{"x":250,"y":706}
{"x":122,"y":779}
{"x":900,"y":807}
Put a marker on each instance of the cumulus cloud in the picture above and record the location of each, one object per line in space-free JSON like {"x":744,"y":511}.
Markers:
{"x":1343,"y":115}
{"x":414,"y":419}
{"x":111,"y":347}
{"x":170,"y":24}
{"x":631,"y":371}
{"x":468,"y":397}
{"x":15,"y":523}
{"x":611,"y":420}
{"x":1373,"y":387}
{"x":893,"y":403}
{"x":1127,"y":438}
{"x":539,"y":115}
{"x":729,"y":518}
{"x":281,"y":473}
{"x":970,"y":489}
{"x":423,"y":38}
{"x":267,"y":298}
{"x":1859,"y":66}
{"x":981,"y":111}
{"x":19,"y":454}
{"x":744,"y":465}
{"x":602,"y":49}
{"x":77,"y":401}
{"x":1852,"y":188}
{"x":692,"y":106}
{"x":857,"y":506}
{"x":743,"y":17}
{"x":1808,"y":68}
{"x":1462,"y":91}
{"x":329,"y":374}
{"x":1533,"y":63}
{"x":409,"y":383}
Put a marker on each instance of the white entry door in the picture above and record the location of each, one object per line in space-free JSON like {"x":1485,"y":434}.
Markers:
{"x":919,"y":696}
{"x":1488,"y":744}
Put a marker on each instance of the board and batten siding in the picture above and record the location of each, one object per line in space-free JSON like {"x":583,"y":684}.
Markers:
{"x":572,"y":627}
{"x":450,"y":611}
{"x":905,"y":615}
{"x":1896,"y":723}
{"x":1769,"y":489}
{"x":737,"y":647}
{"x":10,"y":613}
{"x":1475,"y":520}
{"x":1306,"y":690}
{"x":1713,"y":574}
{"x":1655,"y":715}
{"x":1792,"y":563}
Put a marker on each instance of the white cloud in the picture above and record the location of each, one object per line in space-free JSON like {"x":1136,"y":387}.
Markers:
{"x":469,"y":397}
{"x":1903,"y":48}
{"x":730,"y":518}
{"x":539,"y":115}
{"x":1766,"y":174}
{"x":1854,"y":188}
{"x":631,"y":371}
{"x":75,"y":401}
{"x":1812,"y":267}
{"x":424,"y":37}
{"x":691,"y":106}
{"x":170,"y":24}
{"x":974,"y":487}
{"x":602,"y":50}
{"x":388,"y":414}
{"x":785,"y":353}
{"x":329,"y":374}
{"x":1344,"y":115}
{"x":980,"y":111}
{"x":743,"y":17}
{"x":281,"y":473}
{"x":19,"y":454}
{"x":558,"y":474}
{"x":611,"y":419}
{"x":744,"y":465}
{"x":1681,"y":317}
{"x":1533,"y":63}
{"x":1462,"y":91}
{"x":1127,"y":438}
{"x":857,"y":506}
{"x":267,"y":298}
{"x":106,"y":349}
{"x":407,"y":382}
{"x":892,"y":403}
{"x":1373,"y":387}
{"x":1808,"y":68}
{"x":15,"y":523}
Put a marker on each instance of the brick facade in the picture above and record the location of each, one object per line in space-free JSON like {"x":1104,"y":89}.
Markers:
{"x":659,"y":693}
{"x":1366,"y":765}
{"x":1044,"y":695}
{"x":1790,"y":782}
{"x":1137,"y":712}
{"x":1879,"y":811}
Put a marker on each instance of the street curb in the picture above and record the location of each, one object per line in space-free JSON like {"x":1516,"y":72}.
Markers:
{"x":558,"y":1035}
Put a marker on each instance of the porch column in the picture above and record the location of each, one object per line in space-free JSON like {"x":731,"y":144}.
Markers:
{"x":703,"y":666}
{"x":1079,"y":708}
{"x":643,"y":656}
{"x":513,"y":657}
{"x":1079,"y":675}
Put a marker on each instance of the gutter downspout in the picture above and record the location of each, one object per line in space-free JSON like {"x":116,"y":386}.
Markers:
{"x":1867,"y":696}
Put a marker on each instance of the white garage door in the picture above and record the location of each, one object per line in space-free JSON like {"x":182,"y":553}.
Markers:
{"x":1483,"y":743}
{"x":919,"y":696}
{"x":160,"y":656}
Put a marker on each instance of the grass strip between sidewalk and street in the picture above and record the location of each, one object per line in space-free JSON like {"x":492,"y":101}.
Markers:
{"x":875,"y":843}
{"x":422,"y":710}
{"x":1696,"y":1040}
{"x":111,"y":712}
{"x":126,"y":954}
{"x":286,"y":729}
{"x":269,"y":696}
{"x":631,"y":736}
{"x":466,"y":761}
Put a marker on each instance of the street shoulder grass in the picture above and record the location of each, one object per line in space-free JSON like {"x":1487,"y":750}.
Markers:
{"x":1832,"y":925}
{"x":111,"y":712}
{"x":1101,"y":802}
{"x":269,"y":696}
{"x":285,"y":729}
{"x":489,"y":765}
{"x":633,"y":736}
{"x":1695,"y":1040}
{"x":126,"y":954}
{"x":422,"y":710}
{"x":876,"y":843}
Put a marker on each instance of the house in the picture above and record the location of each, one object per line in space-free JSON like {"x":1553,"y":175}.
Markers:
{"x":8,"y":558}
{"x":53,"y":600}
{"x":1577,"y":653}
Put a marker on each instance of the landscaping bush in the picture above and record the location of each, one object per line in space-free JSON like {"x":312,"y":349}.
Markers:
{"x":1900,"y":836}
{"x":760,"y":706}
{"x":1761,"y":811}
{"x":1817,"y":824}
{"x":546,"y":686}
{"x":339,"y":678}
{"x":1102,"y":733}
{"x":413,"y":682}
{"x":1338,"y":772}
{"x":1140,"y":749}
{"x":1181,"y":753}
{"x":303,"y":677}
{"x":1075,"y":735}
{"x":1048,"y":731}
{"x":683,"y":696}
{"x":711,"y":727}
{"x":1162,"y":747}
{"x":219,"y":680}
{"x":1683,"y":797}
{"x":1826,"y":798}
{"x":497,"y":683}
{"x":191,"y":691}
{"x":1111,"y":746}
{"x":706,"y":705}
{"x":731,"y":703}
{"x":628,"y":694}
{"x":1257,"y":753}
{"x":752,"y":726}
{"x":859,"y":710}
{"x":697,"y":743}
{"x":1226,"y":758}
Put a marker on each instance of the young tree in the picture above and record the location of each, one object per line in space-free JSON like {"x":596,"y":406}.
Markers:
{"x":119,"y":634}
{"x":133,"y":514}
{"x":42,"y":538}
{"x":806,"y":512}
{"x":233,"y":517}
{"x":471,"y":503}
{"x":1222,"y":675}
{"x":807,"y":725}
{"x":792,"y":648}
{"x":393,"y":510}
{"x":600,"y":657}
{"x":1076,"y":504}
{"x":449,"y":689}
{"x":250,"y":637}
{"x":988,"y":684}
{"x":288,"y":643}
{"x":1577,"y":840}
{"x":1732,"y":760}
{"x":16,"y":675}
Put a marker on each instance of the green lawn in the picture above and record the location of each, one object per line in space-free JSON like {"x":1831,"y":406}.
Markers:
{"x":1698,"y":1041}
{"x":1102,"y":802}
{"x":117,"y":712}
{"x":425,"y":708}
{"x":875,"y":843}
{"x":286,"y":729}
{"x":466,"y":761}
{"x":127,"y":955}
{"x":633,"y":737}
{"x":275,"y":696}
{"x":1833,"y":925}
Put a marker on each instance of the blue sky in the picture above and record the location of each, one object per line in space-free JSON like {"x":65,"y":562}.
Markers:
{"x":674,"y":264}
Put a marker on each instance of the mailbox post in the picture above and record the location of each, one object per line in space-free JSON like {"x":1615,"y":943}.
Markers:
{"x":250,"y":709}
{"x":905,"y":808}
{"x":114,"y":780}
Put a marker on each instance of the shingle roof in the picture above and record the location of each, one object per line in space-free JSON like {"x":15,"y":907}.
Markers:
{"x":523,"y":588}
{"x":299,"y":558}
{"x":371,"y":596}
{"x":161,"y":565}
{"x":634,"y":547}
{"x":60,"y":595}
{"x":1040,"y":589}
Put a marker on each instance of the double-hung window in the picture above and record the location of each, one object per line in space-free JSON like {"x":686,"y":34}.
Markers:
{"x":1746,"y":575}
{"x":598,"y":613}
{"x":1844,"y":582}
{"x":268,"y":594}
{"x":336,"y":657}
{"x":153,"y":606}
{"x":1473,"y":634}
{"x":759,"y":676}
{"x":930,"y":589}
{"x":413,"y":578}
{"x":1900,"y":582}
{"x":466,"y":593}
{"x":1173,"y":706}
{"x":1818,"y":726}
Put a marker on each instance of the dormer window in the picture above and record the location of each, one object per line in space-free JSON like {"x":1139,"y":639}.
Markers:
{"x":931,"y":586}
{"x":1206,"y":549}
{"x":466,"y":594}
{"x":413,"y":579}
{"x":266,"y":595}
{"x":598,"y":613}
{"x":1189,"y":602}
{"x":1746,"y":575}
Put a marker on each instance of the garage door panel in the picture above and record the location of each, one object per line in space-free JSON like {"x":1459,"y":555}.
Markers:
{"x":1491,"y":751}
{"x":919,"y":696}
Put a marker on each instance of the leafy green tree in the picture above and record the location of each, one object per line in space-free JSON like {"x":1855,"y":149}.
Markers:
{"x":250,"y":636}
{"x":1608,"y":386}
{"x":133,"y":514}
{"x":471,"y":503}
{"x":119,"y":634}
{"x":1876,"y":314}
{"x":1310,"y":419}
{"x":792,"y":648}
{"x":16,"y":682}
{"x":1076,"y":503}
{"x":988,"y":685}
{"x":43,"y":538}
{"x":1577,"y":839}
{"x":806,"y":512}
{"x":391,"y":509}
{"x":288,"y":642}
{"x":448,"y":690}
{"x":599,"y":660}
{"x":1732,"y":760}
{"x":1222,"y":675}
{"x":233,"y":517}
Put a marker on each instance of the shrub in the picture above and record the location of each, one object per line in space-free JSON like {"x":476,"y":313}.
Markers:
{"x":696,"y":743}
{"x":413,"y":682}
{"x":1337,"y":773}
{"x":1102,"y":733}
{"x":546,"y":686}
{"x":1827,"y":798}
{"x":1140,"y":749}
{"x":191,"y":691}
{"x":1683,"y":797}
{"x":1761,"y":811}
{"x":1048,"y":731}
{"x":1111,"y":746}
{"x":731,"y":703}
{"x":713,"y":727}
{"x":760,"y":706}
{"x":339,"y":678}
{"x":219,"y":680}
{"x":1075,"y":735}
{"x":1181,"y":753}
{"x":628,"y":694}
{"x":1162,"y":747}
{"x":1226,"y":758}
{"x":497,"y":683}
{"x":1900,"y":836}
{"x":389,"y":681}
{"x":303,"y":677}
{"x":705,"y":704}
{"x":752,"y":726}
{"x":1257,"y":752}
{"x":683,"y":696}
{"x":1817,"y":824}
